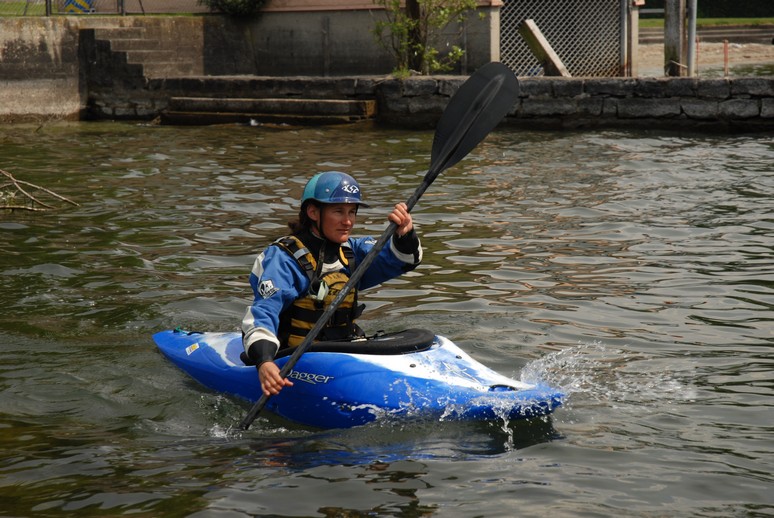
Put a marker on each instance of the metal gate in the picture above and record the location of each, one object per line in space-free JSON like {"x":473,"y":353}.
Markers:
{"x":585,"y":34}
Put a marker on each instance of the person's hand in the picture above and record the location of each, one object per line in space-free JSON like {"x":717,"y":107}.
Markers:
{"x":401,"y":217}
{"x":271,"y":381}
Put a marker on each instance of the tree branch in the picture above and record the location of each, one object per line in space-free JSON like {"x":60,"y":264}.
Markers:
{"x":14,"y":186}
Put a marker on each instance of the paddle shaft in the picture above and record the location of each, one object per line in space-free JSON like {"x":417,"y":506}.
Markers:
{"x":471,"y":114}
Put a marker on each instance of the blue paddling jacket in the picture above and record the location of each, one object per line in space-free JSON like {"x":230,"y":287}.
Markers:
{"x":279,"y":281}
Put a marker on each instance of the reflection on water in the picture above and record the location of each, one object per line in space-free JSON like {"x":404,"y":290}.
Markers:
{"x":632,"y":269}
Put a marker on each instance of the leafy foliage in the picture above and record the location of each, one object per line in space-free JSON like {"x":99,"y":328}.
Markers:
{"x":413,"y":34}
{"x":236,"y":8}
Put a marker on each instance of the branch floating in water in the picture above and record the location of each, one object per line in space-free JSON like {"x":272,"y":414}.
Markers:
{"x":10,"y":189}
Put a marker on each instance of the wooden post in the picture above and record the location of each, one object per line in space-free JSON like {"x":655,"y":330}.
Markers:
{"x":690,"y":40}
{"x":541,"y":49}
{"x":698,"y":47}
{"x":634,"y":37}
{"x":674,"y":37}
{"x":725,"y":58}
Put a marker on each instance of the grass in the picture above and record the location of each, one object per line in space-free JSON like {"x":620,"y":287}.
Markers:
{"x":710,"y":22}
{"x":17,"y":8}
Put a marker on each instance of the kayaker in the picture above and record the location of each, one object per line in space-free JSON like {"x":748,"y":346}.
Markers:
{"x":299,"y":275}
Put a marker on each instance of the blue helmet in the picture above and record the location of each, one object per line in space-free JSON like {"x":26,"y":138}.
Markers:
{"x":332,"y":187}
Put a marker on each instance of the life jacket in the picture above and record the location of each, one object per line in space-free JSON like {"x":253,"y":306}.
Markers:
{"x":303,"y":314}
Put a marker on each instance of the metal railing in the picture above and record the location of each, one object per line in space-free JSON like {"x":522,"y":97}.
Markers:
{"x":585,"y":34}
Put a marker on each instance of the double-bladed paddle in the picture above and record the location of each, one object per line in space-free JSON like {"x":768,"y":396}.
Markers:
{"x":473,"y":111}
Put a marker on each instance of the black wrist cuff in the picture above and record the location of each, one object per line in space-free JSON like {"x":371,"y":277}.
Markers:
{"x":407,"y":243}
{"x":262,"y":351}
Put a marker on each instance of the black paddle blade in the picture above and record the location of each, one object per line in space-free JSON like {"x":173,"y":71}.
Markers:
{"x":482,"y":101}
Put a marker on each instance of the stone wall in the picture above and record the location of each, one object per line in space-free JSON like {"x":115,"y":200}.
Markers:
{"x":745,"y":104}
{"x":739,"y":104}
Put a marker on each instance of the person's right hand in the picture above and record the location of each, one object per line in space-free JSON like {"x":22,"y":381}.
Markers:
{"x":271,"y":381}
{"x":401,"y":217}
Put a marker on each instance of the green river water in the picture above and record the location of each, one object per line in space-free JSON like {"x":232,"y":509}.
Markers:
{"x":635,"y":270}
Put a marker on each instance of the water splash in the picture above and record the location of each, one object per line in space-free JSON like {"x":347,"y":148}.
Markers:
{"x":219,"y":416}
{"x":594,"y":372}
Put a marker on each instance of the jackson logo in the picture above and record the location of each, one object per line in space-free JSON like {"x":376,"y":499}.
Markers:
{"x":351,"y":189}
{"x":267,"y":289}
{"x":310,"y":377}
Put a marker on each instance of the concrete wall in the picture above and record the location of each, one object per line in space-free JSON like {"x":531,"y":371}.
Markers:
{"x":39,"y":69}
{"x":40,"y":77}
{"x":327,"y":43}
{"x":316,"y":44}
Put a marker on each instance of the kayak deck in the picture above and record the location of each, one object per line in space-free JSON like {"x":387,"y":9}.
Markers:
{"x":344,"y":384}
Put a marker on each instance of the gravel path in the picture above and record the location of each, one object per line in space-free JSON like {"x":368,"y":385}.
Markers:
{"x":710,"y":55}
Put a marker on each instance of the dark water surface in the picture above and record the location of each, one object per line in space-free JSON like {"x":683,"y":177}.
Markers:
{"x":633,"y":269}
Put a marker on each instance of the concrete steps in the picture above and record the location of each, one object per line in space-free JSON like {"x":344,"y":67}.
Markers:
{"x":162,"y":69}
{"x":205,"y":110}
{"x":134,"y":44}
{"x":138,"y":48}
{"x":135,"y":57}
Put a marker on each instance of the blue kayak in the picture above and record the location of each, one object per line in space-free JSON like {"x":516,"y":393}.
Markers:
{"x":413,"y":373}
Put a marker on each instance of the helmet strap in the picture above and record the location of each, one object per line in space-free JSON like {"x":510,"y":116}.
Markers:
{"x":320,"y":226}
{"x":317,"y":226}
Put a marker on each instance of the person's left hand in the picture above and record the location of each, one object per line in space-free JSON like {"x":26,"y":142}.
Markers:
{"x":271,"y":381}
{"x":401,"y":217}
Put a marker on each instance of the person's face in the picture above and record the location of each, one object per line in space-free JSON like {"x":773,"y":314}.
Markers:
{"x":337,"y":220}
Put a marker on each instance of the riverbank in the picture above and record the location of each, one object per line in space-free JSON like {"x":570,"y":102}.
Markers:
{"x":62,"y":69}
{"x":729,"y":105}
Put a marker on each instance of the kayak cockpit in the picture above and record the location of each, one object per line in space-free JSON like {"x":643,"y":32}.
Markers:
{"x":401,"y":342}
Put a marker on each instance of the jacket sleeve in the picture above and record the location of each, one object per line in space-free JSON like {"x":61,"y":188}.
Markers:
{"x":277,"y":280}
{"x":398,"y":256}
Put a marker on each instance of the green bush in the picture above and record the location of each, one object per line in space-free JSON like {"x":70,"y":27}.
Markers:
{"x":237,"y":8}
{"x":412,"y":34}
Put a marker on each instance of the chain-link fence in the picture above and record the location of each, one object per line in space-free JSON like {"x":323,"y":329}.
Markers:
{"x":585,"y":34}
{"x":52,"y":7}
